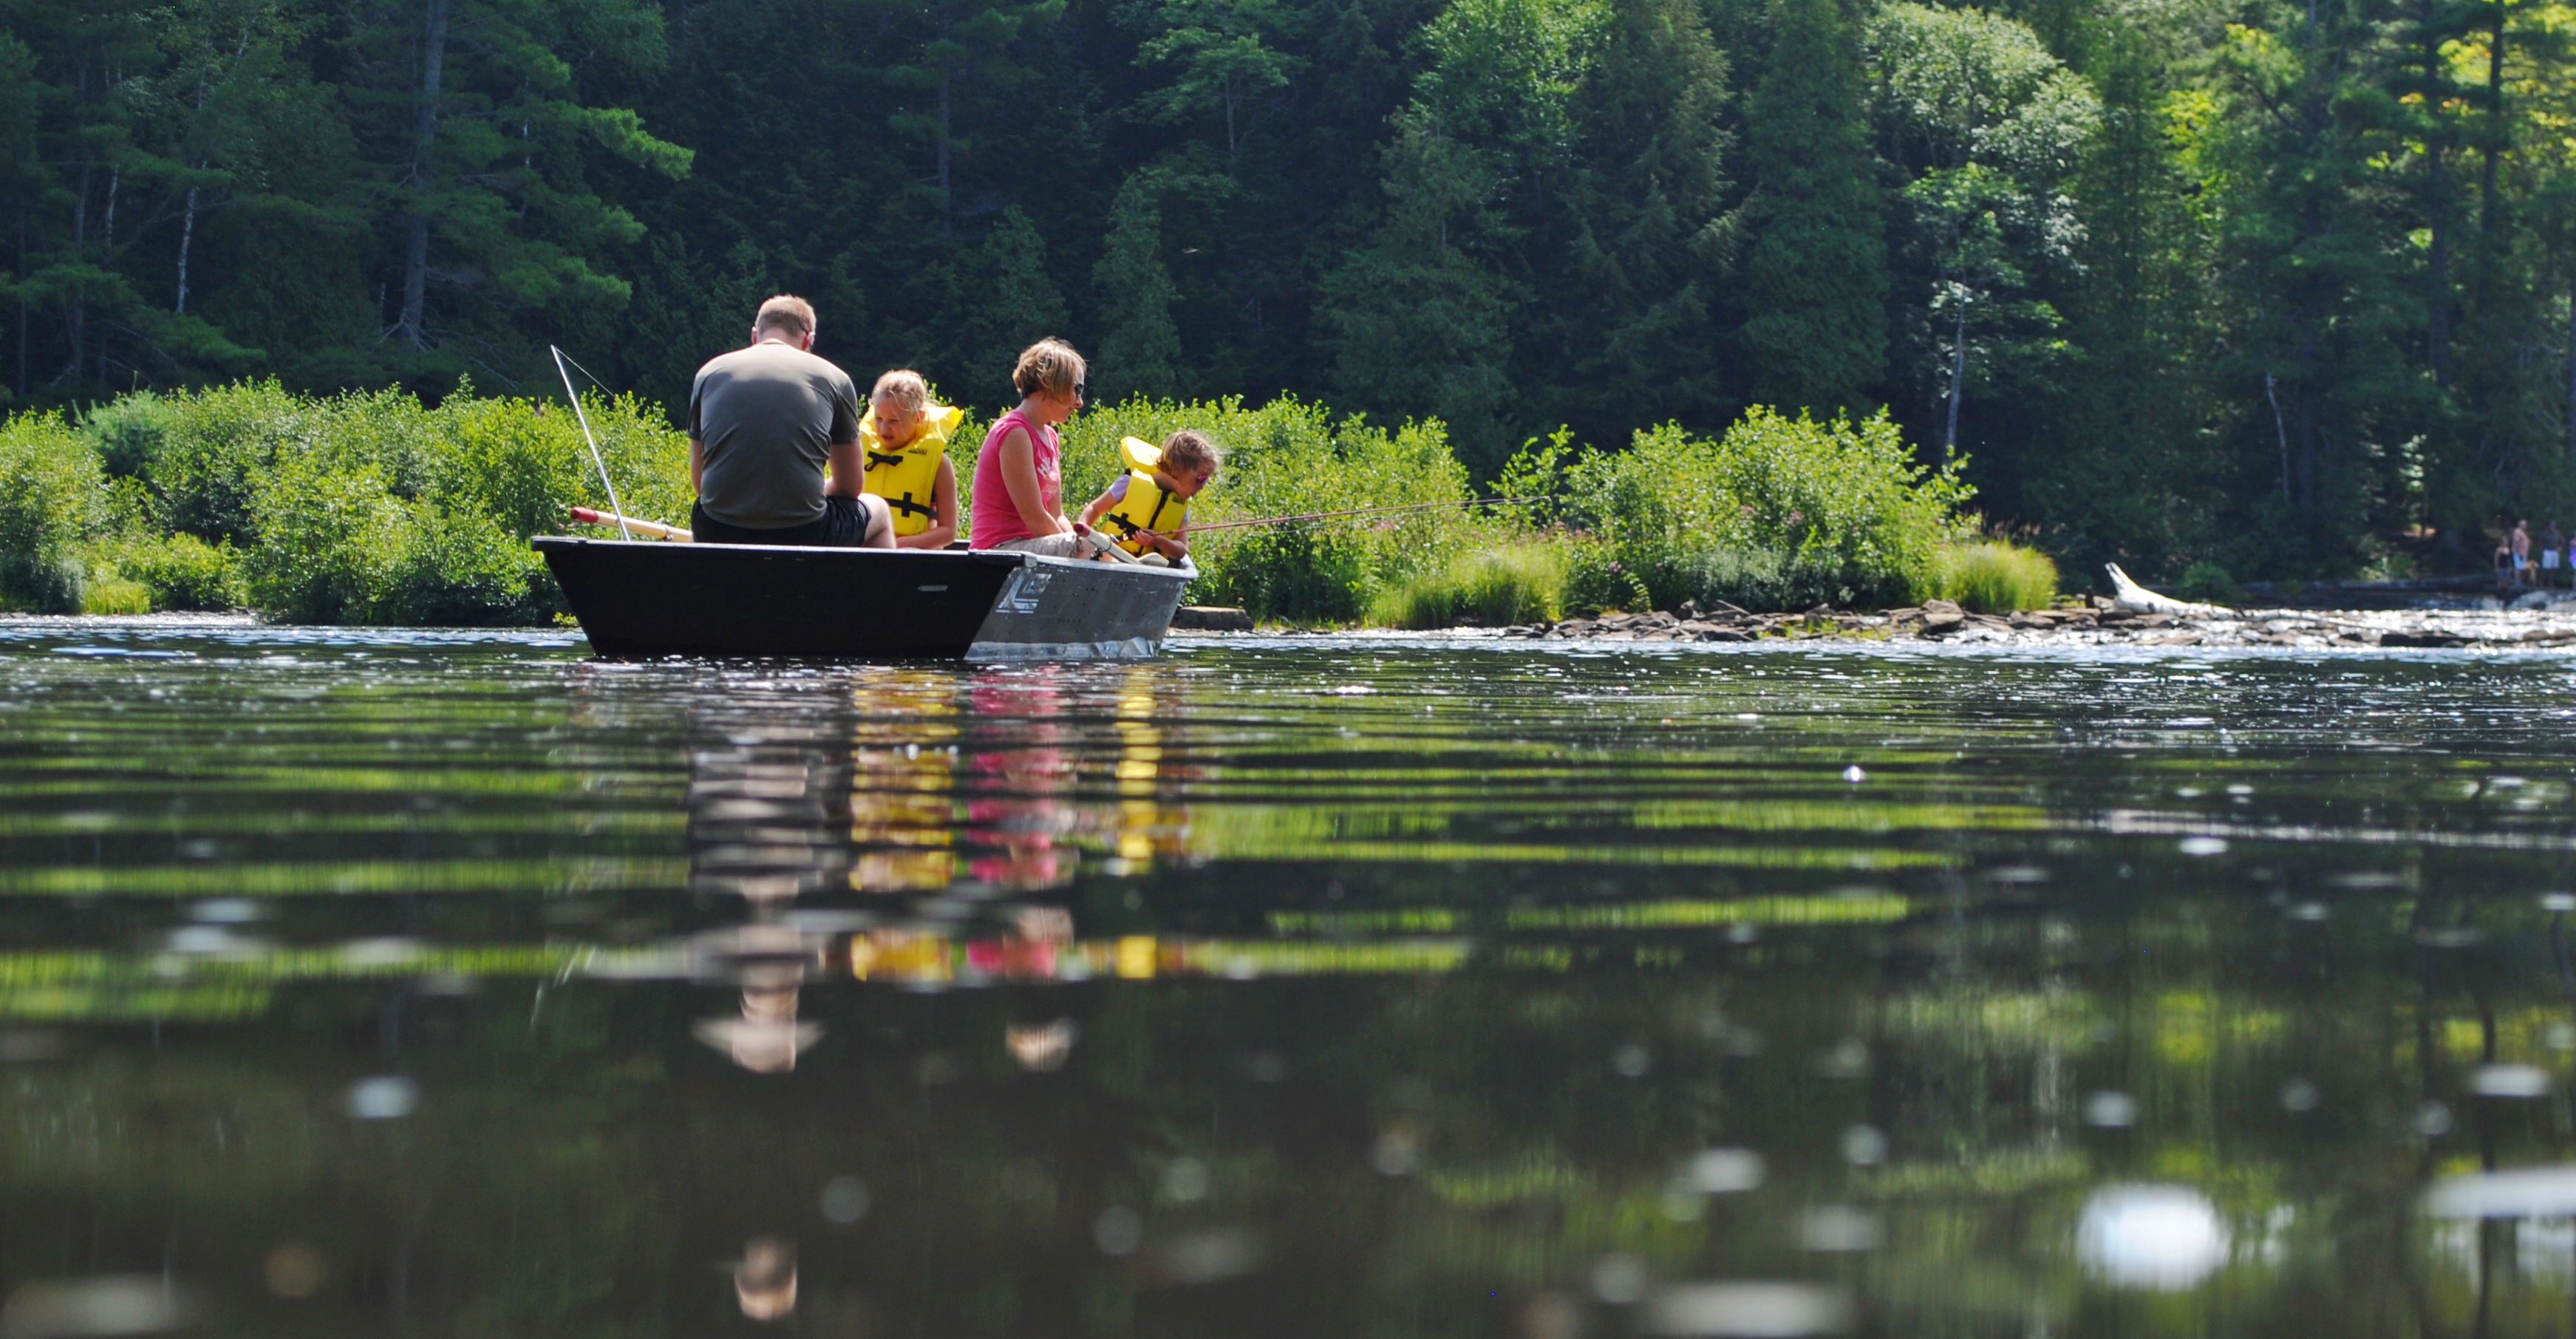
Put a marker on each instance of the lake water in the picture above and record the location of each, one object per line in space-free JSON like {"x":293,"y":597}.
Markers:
{"x":420,"y":984}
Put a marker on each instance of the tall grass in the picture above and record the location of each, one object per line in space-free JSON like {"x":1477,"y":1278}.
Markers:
{"x":1997,"y":577}
{"x":1488,"y":588}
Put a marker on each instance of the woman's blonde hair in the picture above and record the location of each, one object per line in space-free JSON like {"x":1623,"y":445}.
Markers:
{"x":1049,"y":365}
{"x":904,"y":387}
{"x":1189,"y":449}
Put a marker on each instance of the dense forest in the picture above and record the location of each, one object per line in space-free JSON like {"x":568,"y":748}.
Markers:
{"x":2283,"y":287}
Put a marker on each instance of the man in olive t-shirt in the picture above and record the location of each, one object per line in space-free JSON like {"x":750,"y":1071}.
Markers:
{"x":765,"y":422}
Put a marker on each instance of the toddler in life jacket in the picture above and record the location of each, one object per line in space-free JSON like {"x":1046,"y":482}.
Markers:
{"x":1147,"y":510}
{"x":905,"y":441}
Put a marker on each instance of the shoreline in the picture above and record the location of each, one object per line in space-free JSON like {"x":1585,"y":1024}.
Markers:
{"x":1944,"y":623}
{"x":2311,"y":629}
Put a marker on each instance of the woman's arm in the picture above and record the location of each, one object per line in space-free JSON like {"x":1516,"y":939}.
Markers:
{"x":1020,"y":476}
{"x":943,"y":502}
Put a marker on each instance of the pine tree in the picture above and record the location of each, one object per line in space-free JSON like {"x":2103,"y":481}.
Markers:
{"x":1139,"y":348}
{"x":483,"y":135}
{"x":1419,"y":325}
{"x":1626,"y":250}
{"x":1815,"y":273}
{"x":1014,"y":304}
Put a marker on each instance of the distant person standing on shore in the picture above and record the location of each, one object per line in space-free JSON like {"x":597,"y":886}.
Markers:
{"x":774,"y":443}
{"x":2521,"y":542}
{"x":2552,"y":546}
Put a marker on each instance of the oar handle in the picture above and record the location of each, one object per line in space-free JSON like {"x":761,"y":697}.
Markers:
{"x":594,"y":516}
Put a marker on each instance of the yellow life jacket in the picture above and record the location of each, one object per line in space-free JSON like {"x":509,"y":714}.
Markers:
{"x":1147,"y":506}
{"x":906,"y":476}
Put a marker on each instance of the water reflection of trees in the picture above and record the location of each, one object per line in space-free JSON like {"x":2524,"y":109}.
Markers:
{"x":554,"y":1168}
{"x":1456,"y":1086}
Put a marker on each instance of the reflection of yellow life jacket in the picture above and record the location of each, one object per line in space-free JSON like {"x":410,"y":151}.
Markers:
{"x":1146,"y":506}
{"x":907,"y":475}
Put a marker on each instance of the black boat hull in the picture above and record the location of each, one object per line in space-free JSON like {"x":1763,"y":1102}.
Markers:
{"x":639,"y":600}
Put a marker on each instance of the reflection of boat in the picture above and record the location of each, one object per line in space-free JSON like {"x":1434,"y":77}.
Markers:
{"x":644,"y":599}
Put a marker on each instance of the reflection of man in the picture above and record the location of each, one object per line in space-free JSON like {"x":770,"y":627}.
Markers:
{"x":767,"y":1037}
{"x":764,"y":1279}
{"x":764,"y":423}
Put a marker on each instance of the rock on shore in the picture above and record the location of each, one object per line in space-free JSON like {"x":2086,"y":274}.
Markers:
{"x":2098,"y":624}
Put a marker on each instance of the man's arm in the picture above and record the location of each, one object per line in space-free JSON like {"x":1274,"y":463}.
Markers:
{"x":849,"y":476}
{"x":697,"y":466}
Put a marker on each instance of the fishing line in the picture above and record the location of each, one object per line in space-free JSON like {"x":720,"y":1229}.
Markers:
{"x":1363,"y":511}
{"x":586,"y":435}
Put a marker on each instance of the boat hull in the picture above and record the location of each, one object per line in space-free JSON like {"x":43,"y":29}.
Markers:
{"x":639,"y":600}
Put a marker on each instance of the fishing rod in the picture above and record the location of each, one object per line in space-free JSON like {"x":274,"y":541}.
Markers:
{"x":588,"y":516}
{"x":616,"y":508}
{"x":1360,"y":511}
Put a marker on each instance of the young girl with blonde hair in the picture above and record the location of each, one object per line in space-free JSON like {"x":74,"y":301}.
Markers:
{"x":904,"y":439}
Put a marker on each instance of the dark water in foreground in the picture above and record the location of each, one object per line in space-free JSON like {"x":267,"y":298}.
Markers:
{"x":411,"y":985}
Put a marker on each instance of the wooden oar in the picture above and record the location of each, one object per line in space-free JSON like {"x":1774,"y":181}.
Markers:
{"x":589,"y":516}
{"x":1358,"y":511}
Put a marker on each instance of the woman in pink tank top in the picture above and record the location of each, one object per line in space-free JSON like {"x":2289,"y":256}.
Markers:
{"x":1019,"y":481}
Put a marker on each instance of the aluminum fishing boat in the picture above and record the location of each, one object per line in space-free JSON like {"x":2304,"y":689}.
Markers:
{"x":644,"y":599}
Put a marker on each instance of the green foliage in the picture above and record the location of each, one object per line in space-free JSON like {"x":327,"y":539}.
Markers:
{"x":1520,"y":583}
{"x":1140,"y":349}
{"x":1997,"y":577}
{"x":326,"y":537}
{"x":2252,"y":287}
{"x":2209,"y":583}
{"x":1779,"y":513}
{"x":172,"y":572}
{"x":354,"y":508}
{"x":1290,"y":458}
{"x":128,"y":432}
{"x":1816,"y":276}
{"x":52,"y":493}
{"x":456,"y":567}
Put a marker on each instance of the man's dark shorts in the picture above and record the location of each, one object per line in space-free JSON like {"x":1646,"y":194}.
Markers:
{"x":843,"y":525}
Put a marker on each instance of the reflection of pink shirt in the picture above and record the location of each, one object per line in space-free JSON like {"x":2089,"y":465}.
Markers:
{"x":995,"y":520}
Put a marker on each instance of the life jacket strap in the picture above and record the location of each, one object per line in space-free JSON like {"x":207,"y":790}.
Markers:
{"x":906,"y":504}
{"x":876,"y":458}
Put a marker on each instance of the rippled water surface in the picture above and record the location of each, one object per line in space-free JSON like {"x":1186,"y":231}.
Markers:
{"x":421,"y":984}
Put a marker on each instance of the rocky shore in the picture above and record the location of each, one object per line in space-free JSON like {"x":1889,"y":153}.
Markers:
{"x":2097,"y":623}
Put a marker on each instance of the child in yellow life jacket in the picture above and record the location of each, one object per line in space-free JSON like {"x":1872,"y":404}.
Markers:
{"x":1147,"y":510}
{"x":905,"y":441}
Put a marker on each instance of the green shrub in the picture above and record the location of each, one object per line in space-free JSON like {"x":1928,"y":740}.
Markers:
{"x":461,"y":569}
{"x":1777,"y":514}
{"x":128,"y":432}
{"x":1997,"y":577}
{"x":2207,"y":581}
{"x":217,"y":445}
{"x":1488,"y":588}
{"x":1290,"y":458}
{"x":327,"y":537}
{"x":178,"y":571}
{"x":51,"y":495}
{"x":1596,"y":581}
